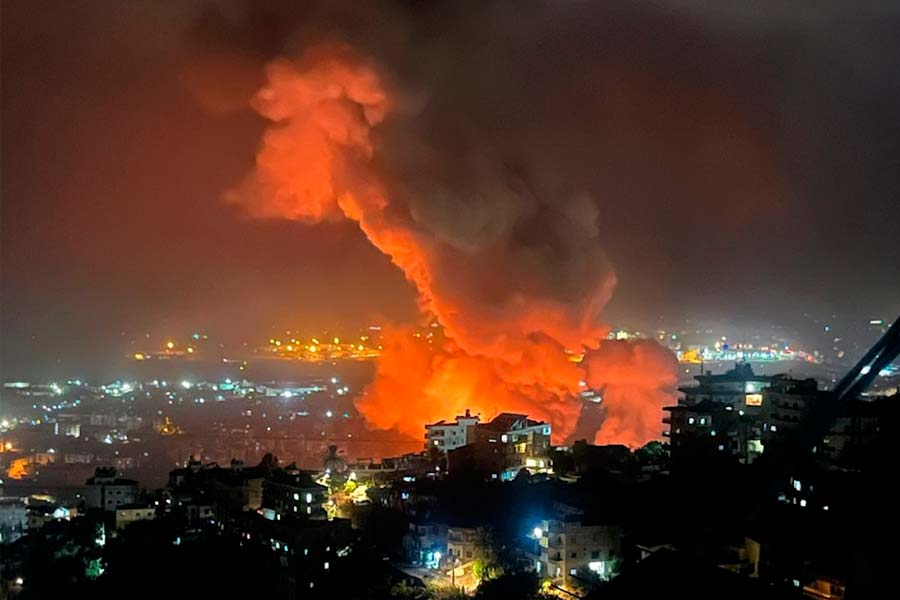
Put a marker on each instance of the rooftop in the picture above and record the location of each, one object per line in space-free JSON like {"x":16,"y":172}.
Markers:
{"x":510,"y":422}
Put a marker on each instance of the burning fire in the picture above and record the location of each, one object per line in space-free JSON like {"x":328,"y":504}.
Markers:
{"x":517,"y":284}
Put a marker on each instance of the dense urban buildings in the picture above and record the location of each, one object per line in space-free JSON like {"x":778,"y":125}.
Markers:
{"x":492,"y":498}
{"x":440,"y":300}
{"x":485,"y":499}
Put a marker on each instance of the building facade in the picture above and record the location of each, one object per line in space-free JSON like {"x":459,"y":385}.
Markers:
{"x":462,"y":544}
{"x":290,"y":492}
{"x":501,"y":448}
{"x":570,"y":543}
{"x":106,"y":491}
{"x":126,"y":515}
{"x":449,"y":435}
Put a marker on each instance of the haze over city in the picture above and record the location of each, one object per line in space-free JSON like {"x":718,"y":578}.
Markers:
{"x":563,"y":243}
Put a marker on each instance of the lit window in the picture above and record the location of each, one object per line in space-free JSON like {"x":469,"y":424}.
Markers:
{"x":825,"y":507}
{"x":572,"y":571}
{"x":296,"y":496}
{"x":712,"y":433}
{"x":773,"y":428}
{"x":803,"y":503}
{"x":703,"y":420}
{"x":797,"y":485}
{"x":326,"y":565}
{"x":753,"y":399}
{"x":308,"y":498}
{"x":690,"y":420}
{"x":504,"y":438}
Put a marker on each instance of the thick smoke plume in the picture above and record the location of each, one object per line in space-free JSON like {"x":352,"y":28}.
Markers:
{"x":506,"y":259}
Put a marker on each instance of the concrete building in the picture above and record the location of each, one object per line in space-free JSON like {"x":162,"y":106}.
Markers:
{"x":290,"y":492}
{"x":570,"y":542}
{"x":425,"y":543}
{"x":106,"y":491}
{"x":528,"y":438}
{"x":738,"y":412}
{"x":740,"y":388}
{"x":462,"y":544}
{"x":449,"y":435}
{"x":787,"y":403}
{"x":503,"y":447}
{"x":128,"y":514}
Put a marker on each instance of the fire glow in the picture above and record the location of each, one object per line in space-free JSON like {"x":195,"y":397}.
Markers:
{"x":518,"y":283}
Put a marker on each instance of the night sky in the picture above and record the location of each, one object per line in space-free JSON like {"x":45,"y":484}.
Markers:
{"x":744,"y":161}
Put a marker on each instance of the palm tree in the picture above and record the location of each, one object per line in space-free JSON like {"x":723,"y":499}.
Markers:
{"x":333,"y":462}
{"x":437,"y":458}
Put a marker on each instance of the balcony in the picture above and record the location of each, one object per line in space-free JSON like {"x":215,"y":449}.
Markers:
{"x":667,"y":420}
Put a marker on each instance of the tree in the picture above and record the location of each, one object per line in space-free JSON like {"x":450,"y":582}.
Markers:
{"x":333,"y":461}
{"x":494,"y":558}
{"x":652,"y":453}
{"x":269,"y":462}
{"x":585,"y":580}
{"x":437,"y":457}
{"x":406,"y":591}
{"x":517,"y":586}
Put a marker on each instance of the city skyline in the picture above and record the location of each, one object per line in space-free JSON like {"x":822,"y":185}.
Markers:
{"x":449,"y":299}
{"x":113,"y":218}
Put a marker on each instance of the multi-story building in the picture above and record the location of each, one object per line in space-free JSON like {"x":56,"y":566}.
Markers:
{"x":128,"y":514}
{"x":106,"y":491}
{"x":449,"y":435}
{"x":426,"y":542}
{"x":738,"y":412}
{"x":709,"y":424}
{"x":504,"y":446}
{"x":740,"y":388}
{"x":788,"y":403}
{"x":462,"y":544}
{"x":290,"y":492}
{"x":569,"y":542}
{"x":527,"y":437}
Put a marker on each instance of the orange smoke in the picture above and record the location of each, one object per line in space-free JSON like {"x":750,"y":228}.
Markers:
{"x":637,"y":378}
{"x":512,"y":311}
{"x":415,"y":384}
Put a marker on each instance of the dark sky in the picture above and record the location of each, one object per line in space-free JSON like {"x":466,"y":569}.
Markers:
{"x":746,"y":162}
